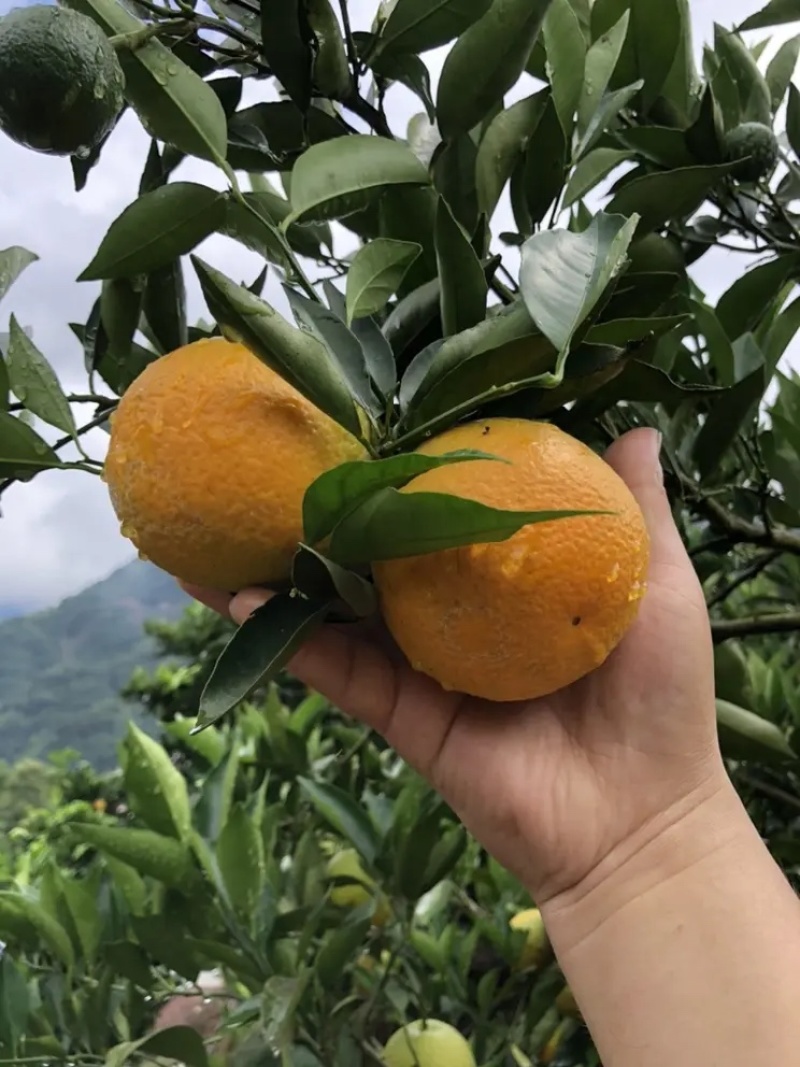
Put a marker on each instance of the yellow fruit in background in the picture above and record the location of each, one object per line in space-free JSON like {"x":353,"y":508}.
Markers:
{"x":428,"y":1043}
{"x":537,"y":946}
{"x":567,"y":1005}
{"x":531,"y":615}
{"x":347,"y":864}
{"x":554,"y":1042}
{"x":211,"y":454}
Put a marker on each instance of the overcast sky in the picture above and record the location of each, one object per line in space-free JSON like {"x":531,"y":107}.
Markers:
{"x":58,"y":534}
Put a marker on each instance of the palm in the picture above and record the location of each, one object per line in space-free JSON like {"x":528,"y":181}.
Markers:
{"x":546,"y":785}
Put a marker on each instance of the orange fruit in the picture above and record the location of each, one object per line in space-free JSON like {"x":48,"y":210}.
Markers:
{"x":531,"y":615}
{"x":211,"y":454}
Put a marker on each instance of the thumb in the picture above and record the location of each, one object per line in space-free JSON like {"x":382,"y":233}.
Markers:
{"x":636,"y":459}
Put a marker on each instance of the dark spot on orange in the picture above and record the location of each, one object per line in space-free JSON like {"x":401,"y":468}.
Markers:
{"x":577,"y":620}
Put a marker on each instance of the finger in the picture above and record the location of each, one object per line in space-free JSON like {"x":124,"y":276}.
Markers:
{"x":356,"y":675}
{"x":211,"y":598}
{"x":636,"y":459}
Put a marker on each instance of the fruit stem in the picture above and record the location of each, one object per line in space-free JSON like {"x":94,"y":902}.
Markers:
{"x":300,"y":275}
{"x":137,"y":38}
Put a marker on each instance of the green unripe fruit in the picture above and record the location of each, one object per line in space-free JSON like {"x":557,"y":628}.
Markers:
{"x":60,"y":80}
{"x":754,"y":148}
{"x":656,"y":254}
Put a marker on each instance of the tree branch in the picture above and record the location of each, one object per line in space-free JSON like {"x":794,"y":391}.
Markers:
{"x":783,"y":623}
{"x":752,"y":570}
{"x":369,"y":114}
{"x":744,"y":532}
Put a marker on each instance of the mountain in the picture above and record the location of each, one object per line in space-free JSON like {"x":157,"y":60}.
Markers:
{"x":61,"y":670}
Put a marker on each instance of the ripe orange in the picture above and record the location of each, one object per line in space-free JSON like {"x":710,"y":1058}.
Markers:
{"x":211,"y":453}
{"x":530,"y":615}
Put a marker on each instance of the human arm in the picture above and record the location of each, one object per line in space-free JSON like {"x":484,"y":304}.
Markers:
{"x":611,"y":804}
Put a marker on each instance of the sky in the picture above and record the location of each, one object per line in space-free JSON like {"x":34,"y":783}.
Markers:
{"x":58,"y":534}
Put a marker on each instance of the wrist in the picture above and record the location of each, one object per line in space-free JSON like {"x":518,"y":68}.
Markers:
{"x":687,"y":835}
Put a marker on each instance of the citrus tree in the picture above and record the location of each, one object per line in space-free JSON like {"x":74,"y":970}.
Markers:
{"x":528,"y":246}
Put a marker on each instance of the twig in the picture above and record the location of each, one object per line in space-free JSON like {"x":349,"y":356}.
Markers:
{"x":783,"y":623}
{"x":755,"y":568}
{"x":745,"y":532}
{"x":769,"y":790}
{"x":369,"y":114}
{"x":352,"y":52}
{"x":98,"y":420}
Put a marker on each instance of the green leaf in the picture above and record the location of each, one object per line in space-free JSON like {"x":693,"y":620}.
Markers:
{"x":50,"y":932}
{"x":341,"y":344}
{"x":539,"y":177}
{"x":34,"y":383}
{"x":130,"y":883}
{"x":166,"y":942}
{"x":629,"y":331}
{"x":444,"y":856}
{"x":120,"y":317}
{"x":659,"y":197}
{"x":410,"y":71}
{"x":507,"y":348}
{"x":754,"y":93}
{"x":412,"y":317}
{"x":462,"y":280}
{"x":604,"y":116}
{"x":776,"y":13}
{"x":419,"y":25}
{"x":15,"y":1004}
{"x":336,"y":178}
{"x":564,"y":275}
{"x":155,"y":229}
{"x":741,"y":308}
{"x":258,"y":650}
{"x":453,"y":169}
{"x":216,"y":796}
{"x":4,"y":394}
{"x":746,"y":736}
{"x":503,"y":144}
{"x":130,"y":961}
{"x":240,"y":854}
{"x":152,"y":854}
{"x":342,"y":812}
{"x":86,"y":917}
{"x":13,"y":261}
{"x":376,"y":273}
{"x":485,"y":62}
{"x":566,"y":50}
{"x":339,"y":948}
{"x":337,"y":492}
{"x":156,"y":789}
{"x":643,"y":383}
{"x":286,"y":49}
{"x":793,"y":119}
{"x":319,"y":578}
{"x":661,"y":144}
{"x":182,"y":1043}
{"x":780,"y":71}
{"x":601,"y":62}
{"x":22,"y":451}
{"x":591,"y":170}
{"x":294,"y":354}
{"x":174,"y":104}
{"x":280,"y":1000}
{"x":395,"y":525}
{"x":377,"y":350}
{"x":164,"y":306}
{"x":725,"y":420}
{"x":331,"y":73}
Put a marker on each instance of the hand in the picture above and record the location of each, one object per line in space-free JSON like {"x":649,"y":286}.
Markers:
{"x":561,"y":788}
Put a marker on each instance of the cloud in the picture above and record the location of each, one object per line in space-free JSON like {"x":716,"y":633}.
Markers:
{"x":59,"y":533}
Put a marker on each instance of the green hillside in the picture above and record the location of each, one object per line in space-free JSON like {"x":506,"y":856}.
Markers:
{"x":61,"y":670}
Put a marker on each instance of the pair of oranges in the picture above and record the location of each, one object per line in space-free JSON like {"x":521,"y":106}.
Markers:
{"x":211,"y":454}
